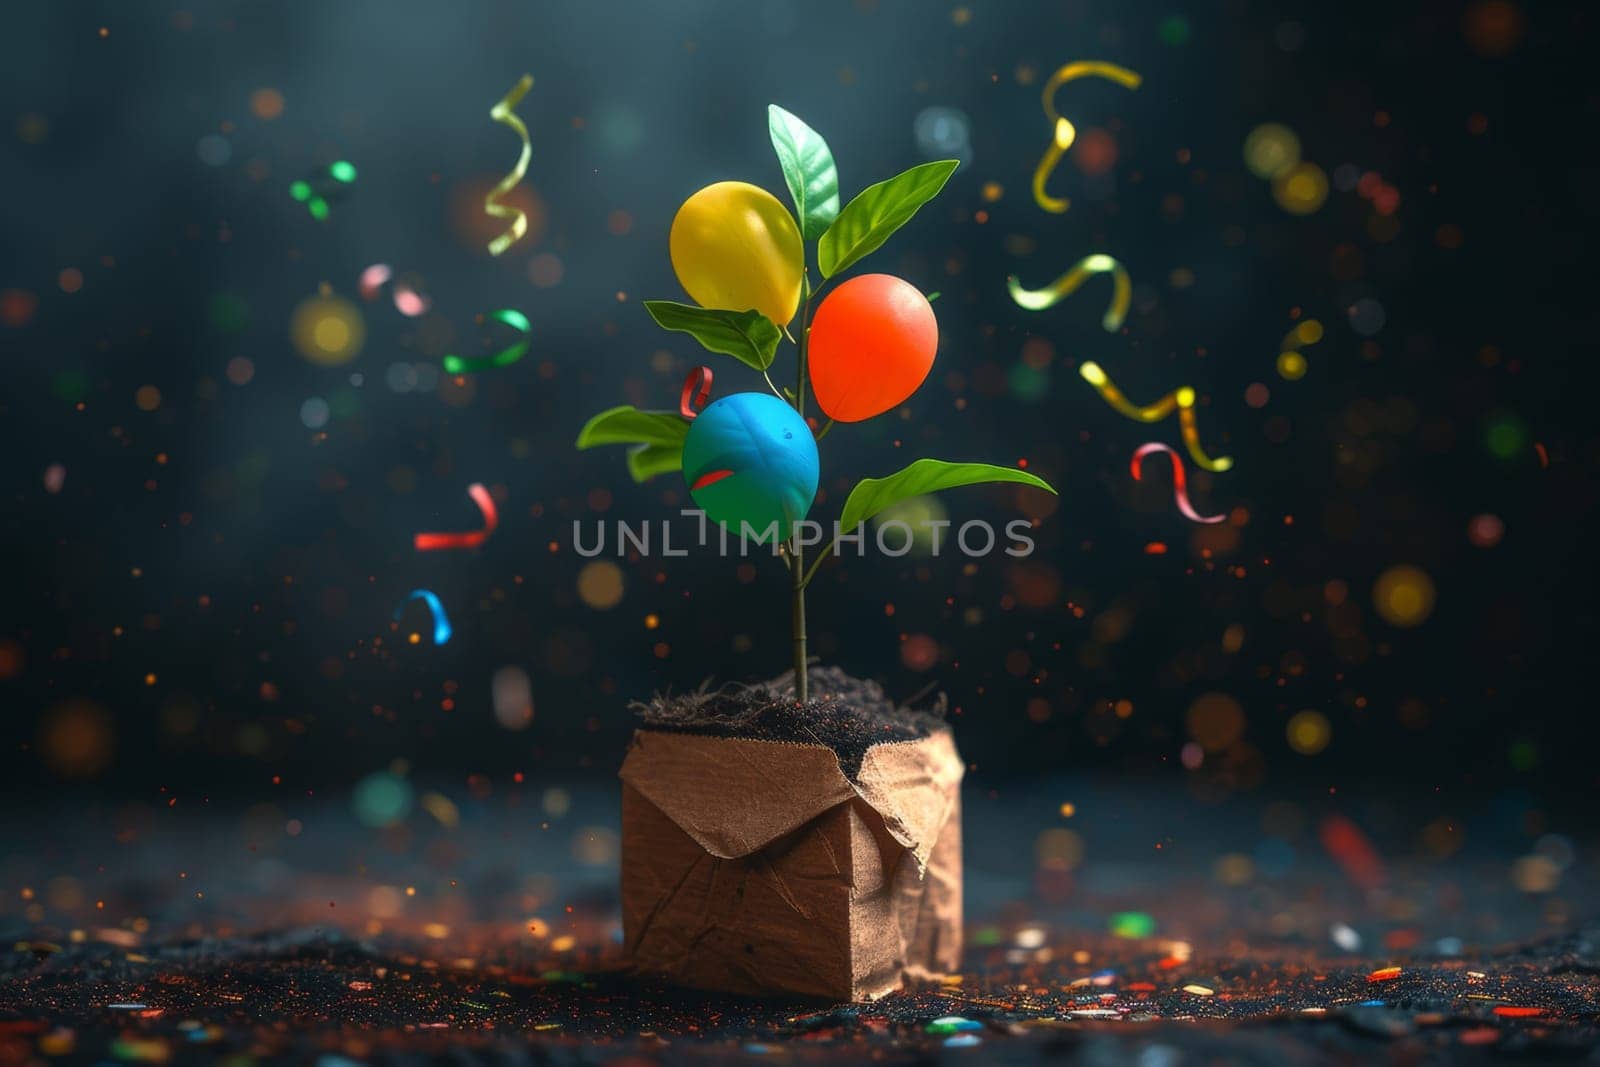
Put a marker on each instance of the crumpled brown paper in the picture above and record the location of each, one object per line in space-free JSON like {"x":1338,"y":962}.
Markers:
{"x":754,"y":866}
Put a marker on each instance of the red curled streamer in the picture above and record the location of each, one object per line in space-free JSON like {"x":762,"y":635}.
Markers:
{"x":428,"y":542}
{"x":1180,"y":487}
{"x":696,"y":388}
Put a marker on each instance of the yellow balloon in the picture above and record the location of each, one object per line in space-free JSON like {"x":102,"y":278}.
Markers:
{"x":735,"y":247}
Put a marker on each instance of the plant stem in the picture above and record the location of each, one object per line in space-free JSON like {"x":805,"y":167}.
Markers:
{"x":798,"y":620}
{"x":812,"y":570}
{"x":798,"y":589}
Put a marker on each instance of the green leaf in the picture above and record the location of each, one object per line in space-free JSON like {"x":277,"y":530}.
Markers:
{"x":808,"y":170}
{"x":647,"y":461}
{"x":627,"y":425}
{"x":748,"y":336}
{"x":657,"y":437}
{"x":868,"y":220}
{"x":872,"y":495}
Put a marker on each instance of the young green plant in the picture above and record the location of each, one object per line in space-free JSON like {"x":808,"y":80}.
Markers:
{"x":869,"y":345}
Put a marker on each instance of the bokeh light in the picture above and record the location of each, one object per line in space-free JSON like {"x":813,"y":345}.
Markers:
{"x":213,"y":149}
{"x":922,"y":514}
{"x":1535,"y":874}
{"x":618,"y":128}
{"x":382,"y":799}
{"x":1133,"y":924}
{"x":266,"y":104}
{"x":76,"y":739}
{"x":512,"y":692}
{"x":1058,"y":848}
{"x":1308,"y":732}
{"x":1216,"y":721}
{"x":546,"y":270}
{"x":327,"y":330}
{"x":1028,"y":383}
{"x":1270,"y":150}
{"x":1493,"y":27}
{"x":595,"y":846}
{"x":1485,"y":531}
{"x":1233,"y":868}
{"x":1301,"y":190}
{"x":942,"y":133}
{"x":314,"y":413}
{"x":229,"y":312}
{"x":17,"y":307}
{"x":1367,"y":316}
{"x":600,"y":584}
{"x":1404,"y":595}
{"x":12,"y":659}
{"x":1096,"y":152}
{"x":919,"y":652}
{"x":1506,"y":436}
{"x":32,"y":128}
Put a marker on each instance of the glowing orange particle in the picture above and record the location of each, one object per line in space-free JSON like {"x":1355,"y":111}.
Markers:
{"x":266,"y":104}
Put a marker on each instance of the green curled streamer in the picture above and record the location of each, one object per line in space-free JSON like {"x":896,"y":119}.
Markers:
{"x":513,"y":318}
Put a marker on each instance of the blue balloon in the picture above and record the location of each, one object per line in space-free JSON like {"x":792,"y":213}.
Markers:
{"x":751,"y":461}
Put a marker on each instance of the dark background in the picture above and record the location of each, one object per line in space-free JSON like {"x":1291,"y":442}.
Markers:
{"x":208,"y":621}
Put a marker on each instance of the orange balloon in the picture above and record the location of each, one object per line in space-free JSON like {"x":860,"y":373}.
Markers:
{"x":872,"y":344}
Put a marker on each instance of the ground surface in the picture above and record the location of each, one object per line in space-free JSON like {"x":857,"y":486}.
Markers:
{"x":1145,"y":928}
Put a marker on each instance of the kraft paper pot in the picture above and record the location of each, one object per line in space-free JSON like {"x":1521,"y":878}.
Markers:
{"x":760,"y":867}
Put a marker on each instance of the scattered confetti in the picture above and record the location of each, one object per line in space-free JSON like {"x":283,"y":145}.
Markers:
{"x":407,"y":300}
{"x":1068,"y":283}
{"x":324,"y":187}
{"x":1062,"y":131}
{"x":1155,"y":412}
{"x":441,"y":621}
{"x":505,"y":357}
{"x":429,"y":542}
{"x":1182,"y":400}
{"x":1180,"y":489}
{"x":503,"y":112}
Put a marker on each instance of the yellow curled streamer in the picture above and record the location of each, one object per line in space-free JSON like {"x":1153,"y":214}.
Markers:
{"x":1180,"y":400}
{"x":1191,"y":434}
{"x":1062,"y":132}
{"x":502,"y":112}
{"x":1068,"y":283}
